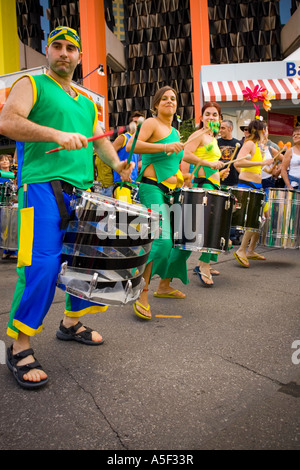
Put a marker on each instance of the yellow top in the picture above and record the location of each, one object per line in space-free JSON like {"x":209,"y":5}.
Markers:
{"x":210,"y":152}
{"x":257,"y":157}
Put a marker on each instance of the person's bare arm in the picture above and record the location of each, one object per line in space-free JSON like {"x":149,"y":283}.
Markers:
{"x":146,"y":141}
{"x":14,"y":122}
{"x":285,"y":166}
{"x":249,"y":148}
{"x":118,"y":142}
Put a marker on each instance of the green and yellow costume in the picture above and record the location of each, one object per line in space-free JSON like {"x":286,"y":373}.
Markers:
{"x":168,"y":262}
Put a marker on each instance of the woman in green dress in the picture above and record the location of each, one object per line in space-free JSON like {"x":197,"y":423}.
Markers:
{"x":160,"y":180}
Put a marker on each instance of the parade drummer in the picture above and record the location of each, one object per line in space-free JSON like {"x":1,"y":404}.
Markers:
{"x":250,"y":178}
{"x":202,"y":149}
{"x":41,"y":112}
{"x":160,"y":178}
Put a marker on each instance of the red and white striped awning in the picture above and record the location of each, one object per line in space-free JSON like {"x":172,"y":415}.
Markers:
{"x":281,"y":88}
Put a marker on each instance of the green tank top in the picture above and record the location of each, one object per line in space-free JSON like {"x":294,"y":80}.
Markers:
{"x":53,"y":107}
{"x":164,"y":165}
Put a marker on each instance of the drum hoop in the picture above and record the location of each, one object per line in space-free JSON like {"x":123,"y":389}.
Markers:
{"x":246,"y":190}
{"x":206,"y":191}
{"x":109,"y":202}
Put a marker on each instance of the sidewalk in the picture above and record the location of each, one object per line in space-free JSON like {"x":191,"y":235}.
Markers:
{"x":219,"y":373}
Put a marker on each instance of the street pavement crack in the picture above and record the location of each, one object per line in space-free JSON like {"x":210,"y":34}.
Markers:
{"x":97,"y":407}
{"x":277,"y":382}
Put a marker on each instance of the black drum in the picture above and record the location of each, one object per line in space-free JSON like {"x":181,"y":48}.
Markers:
{"x":248,"y":208}
{"x":204,"y":220}
{"x":241,"y":204}
{"x":255,"y":210}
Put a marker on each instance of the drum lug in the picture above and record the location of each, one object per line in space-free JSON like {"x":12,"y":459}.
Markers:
{"x":93,"y":283}
{"x":227,"y":205}
{"x":128,"y":289}
{"x":204,"y":200}
{"x":180,"y":199}
{"x":172,"y":200}
{"x":64,"y":268}
{"x":222,"y":242}
{"x":79,"y":210}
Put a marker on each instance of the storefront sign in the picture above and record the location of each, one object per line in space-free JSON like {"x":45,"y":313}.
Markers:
{"x":293,"y":69}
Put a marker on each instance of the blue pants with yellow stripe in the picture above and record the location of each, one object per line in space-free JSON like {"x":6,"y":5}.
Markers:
{"x":40,"y":246}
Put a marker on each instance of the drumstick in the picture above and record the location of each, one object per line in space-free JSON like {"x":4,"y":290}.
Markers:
{"x":280,"y":151}
{"x":269,"y":170}
{"x":95,"y":137}
{"x":237,"y":146}
{"x":247,"y":157}
{"x":195,"y":169}
{"x":25,"y":200}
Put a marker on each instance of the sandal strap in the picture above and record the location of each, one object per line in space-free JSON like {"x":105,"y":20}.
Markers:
{"x":86,"y":334}
{"x":22,"y":354}
{"x":27,"y":367}
{"x":72,"y":330}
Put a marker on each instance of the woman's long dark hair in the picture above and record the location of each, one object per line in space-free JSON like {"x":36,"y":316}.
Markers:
{"x":254,"y":129}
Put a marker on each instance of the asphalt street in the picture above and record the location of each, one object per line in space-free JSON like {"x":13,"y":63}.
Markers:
{"x":218,"y":370}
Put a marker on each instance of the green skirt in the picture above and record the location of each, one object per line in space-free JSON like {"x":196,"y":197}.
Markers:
{"x":168,"y":262}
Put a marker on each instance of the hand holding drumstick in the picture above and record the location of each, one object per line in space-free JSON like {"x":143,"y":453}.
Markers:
{"x":270,"y":170}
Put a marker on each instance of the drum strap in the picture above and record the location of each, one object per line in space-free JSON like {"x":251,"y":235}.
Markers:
{"x":161,"y":186}
{"x":58,"y":193}
{"x":248,"y":183}
{"x":201,"y":181}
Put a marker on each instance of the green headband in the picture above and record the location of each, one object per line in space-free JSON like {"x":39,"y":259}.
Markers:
{"x":63,"y":32}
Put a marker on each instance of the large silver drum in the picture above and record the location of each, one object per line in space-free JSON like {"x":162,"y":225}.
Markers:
{"x":9,"y":227}
{"x":282,"y":227}
{"x":105,"y":249}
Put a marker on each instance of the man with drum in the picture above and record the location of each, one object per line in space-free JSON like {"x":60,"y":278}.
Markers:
{"x":41,"y":112}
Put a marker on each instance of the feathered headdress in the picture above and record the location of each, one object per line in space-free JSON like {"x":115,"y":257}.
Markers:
{"x":258,"y":94}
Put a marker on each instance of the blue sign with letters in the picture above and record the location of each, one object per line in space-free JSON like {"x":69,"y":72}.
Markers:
{"x":293,"y":69}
